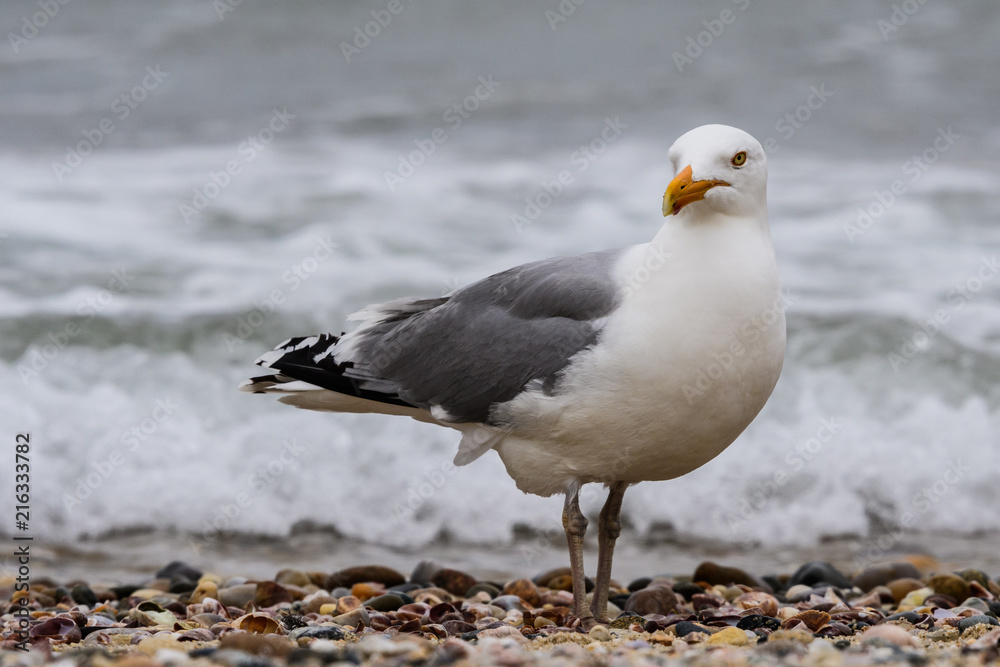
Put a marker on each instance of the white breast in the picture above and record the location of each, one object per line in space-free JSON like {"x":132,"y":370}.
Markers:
{"x":682,"y":367}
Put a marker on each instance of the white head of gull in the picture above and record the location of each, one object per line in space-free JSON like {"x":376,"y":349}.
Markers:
{"x":614,"y":367}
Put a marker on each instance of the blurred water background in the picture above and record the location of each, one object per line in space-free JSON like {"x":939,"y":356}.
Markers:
{"x":185,"y":184}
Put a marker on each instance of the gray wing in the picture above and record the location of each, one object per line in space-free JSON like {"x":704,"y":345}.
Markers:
{"x":461,"y":354}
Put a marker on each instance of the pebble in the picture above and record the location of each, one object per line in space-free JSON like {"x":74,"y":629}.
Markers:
{"x":951,"y":585}
{"x":179,"y":568}
{"x":313,"y":602}
{"x":453,"y":581}
{"x":730,"y":636}
{"x":148,"y":593}
{"x":908,"y":616}
{"x":270,"y":593}
{"x":561,"y":583}
{"x":684,"y":628}
{"x":353,"y":618}
{"x":424,"y":570}
{"x":334,"y":632}
{"x":289,"y":577}
{"x":387,"y":602}
{"x":238,"y":596}
{"x":543,"y":578}
{"x":625,"y":620}
{"x":364,"y":591}
{"x":882,"y":574}
{"x":205,"y":589}
{"x":900,"y":588}
{"x":346,"y":604}
{"x":642,"y":582}
{"x":83,"y":594}
{"x":973,"y":621}
{"x":915,"y":599}
{"x":976,"y":603}
{"x":653,"y":600}
{"x":363,"y":574}
{"x":818,"y":572}
{"x":755,"y":621}
{"x":972,"y":574}
{"x":797,"y":592}
{"x":489,"y":589}
{"x":124,"y":591}
{"x":525,"y":589}
{"x":430,"y":622}
{"x":541,"y":622}
{"x":182,"y":585}
{"x":714,"y":574}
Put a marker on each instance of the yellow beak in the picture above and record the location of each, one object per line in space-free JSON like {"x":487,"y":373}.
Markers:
{"x":682,"y":191}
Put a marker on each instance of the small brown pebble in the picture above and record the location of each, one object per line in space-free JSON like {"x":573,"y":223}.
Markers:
{"x":652,"y":600}
{"x":313,"y":603}
{"x":291,"y":577}
{"x":543,"y":578}
{"x":971,"y":574}
{"x":714,"y":574}
{"x":883,"y":573}
{"x":366,"y":590}
{"x":556,"y":598}
{"x":352,"y":618}
{"x":951,"y":585}
{"x":270,"y":593}
{"x":524,"y":589}
{"x":346,"y":604}
{"x":453,"y":581}
{"x":386,"y":576}
{"x":563,"y":582}
{"x":206,"y":589}
{"x":900,"y":588}
{"x":238,"y":596}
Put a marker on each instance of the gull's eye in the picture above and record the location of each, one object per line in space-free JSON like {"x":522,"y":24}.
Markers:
{"x":739,"y":159}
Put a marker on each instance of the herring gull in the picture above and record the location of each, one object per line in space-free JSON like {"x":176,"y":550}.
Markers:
{"x":615,"y":367}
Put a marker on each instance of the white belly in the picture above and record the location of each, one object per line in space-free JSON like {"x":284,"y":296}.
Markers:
{"x":682,"y":368}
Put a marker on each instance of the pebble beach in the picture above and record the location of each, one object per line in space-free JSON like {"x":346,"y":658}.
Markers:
{"x":901,"y":612}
